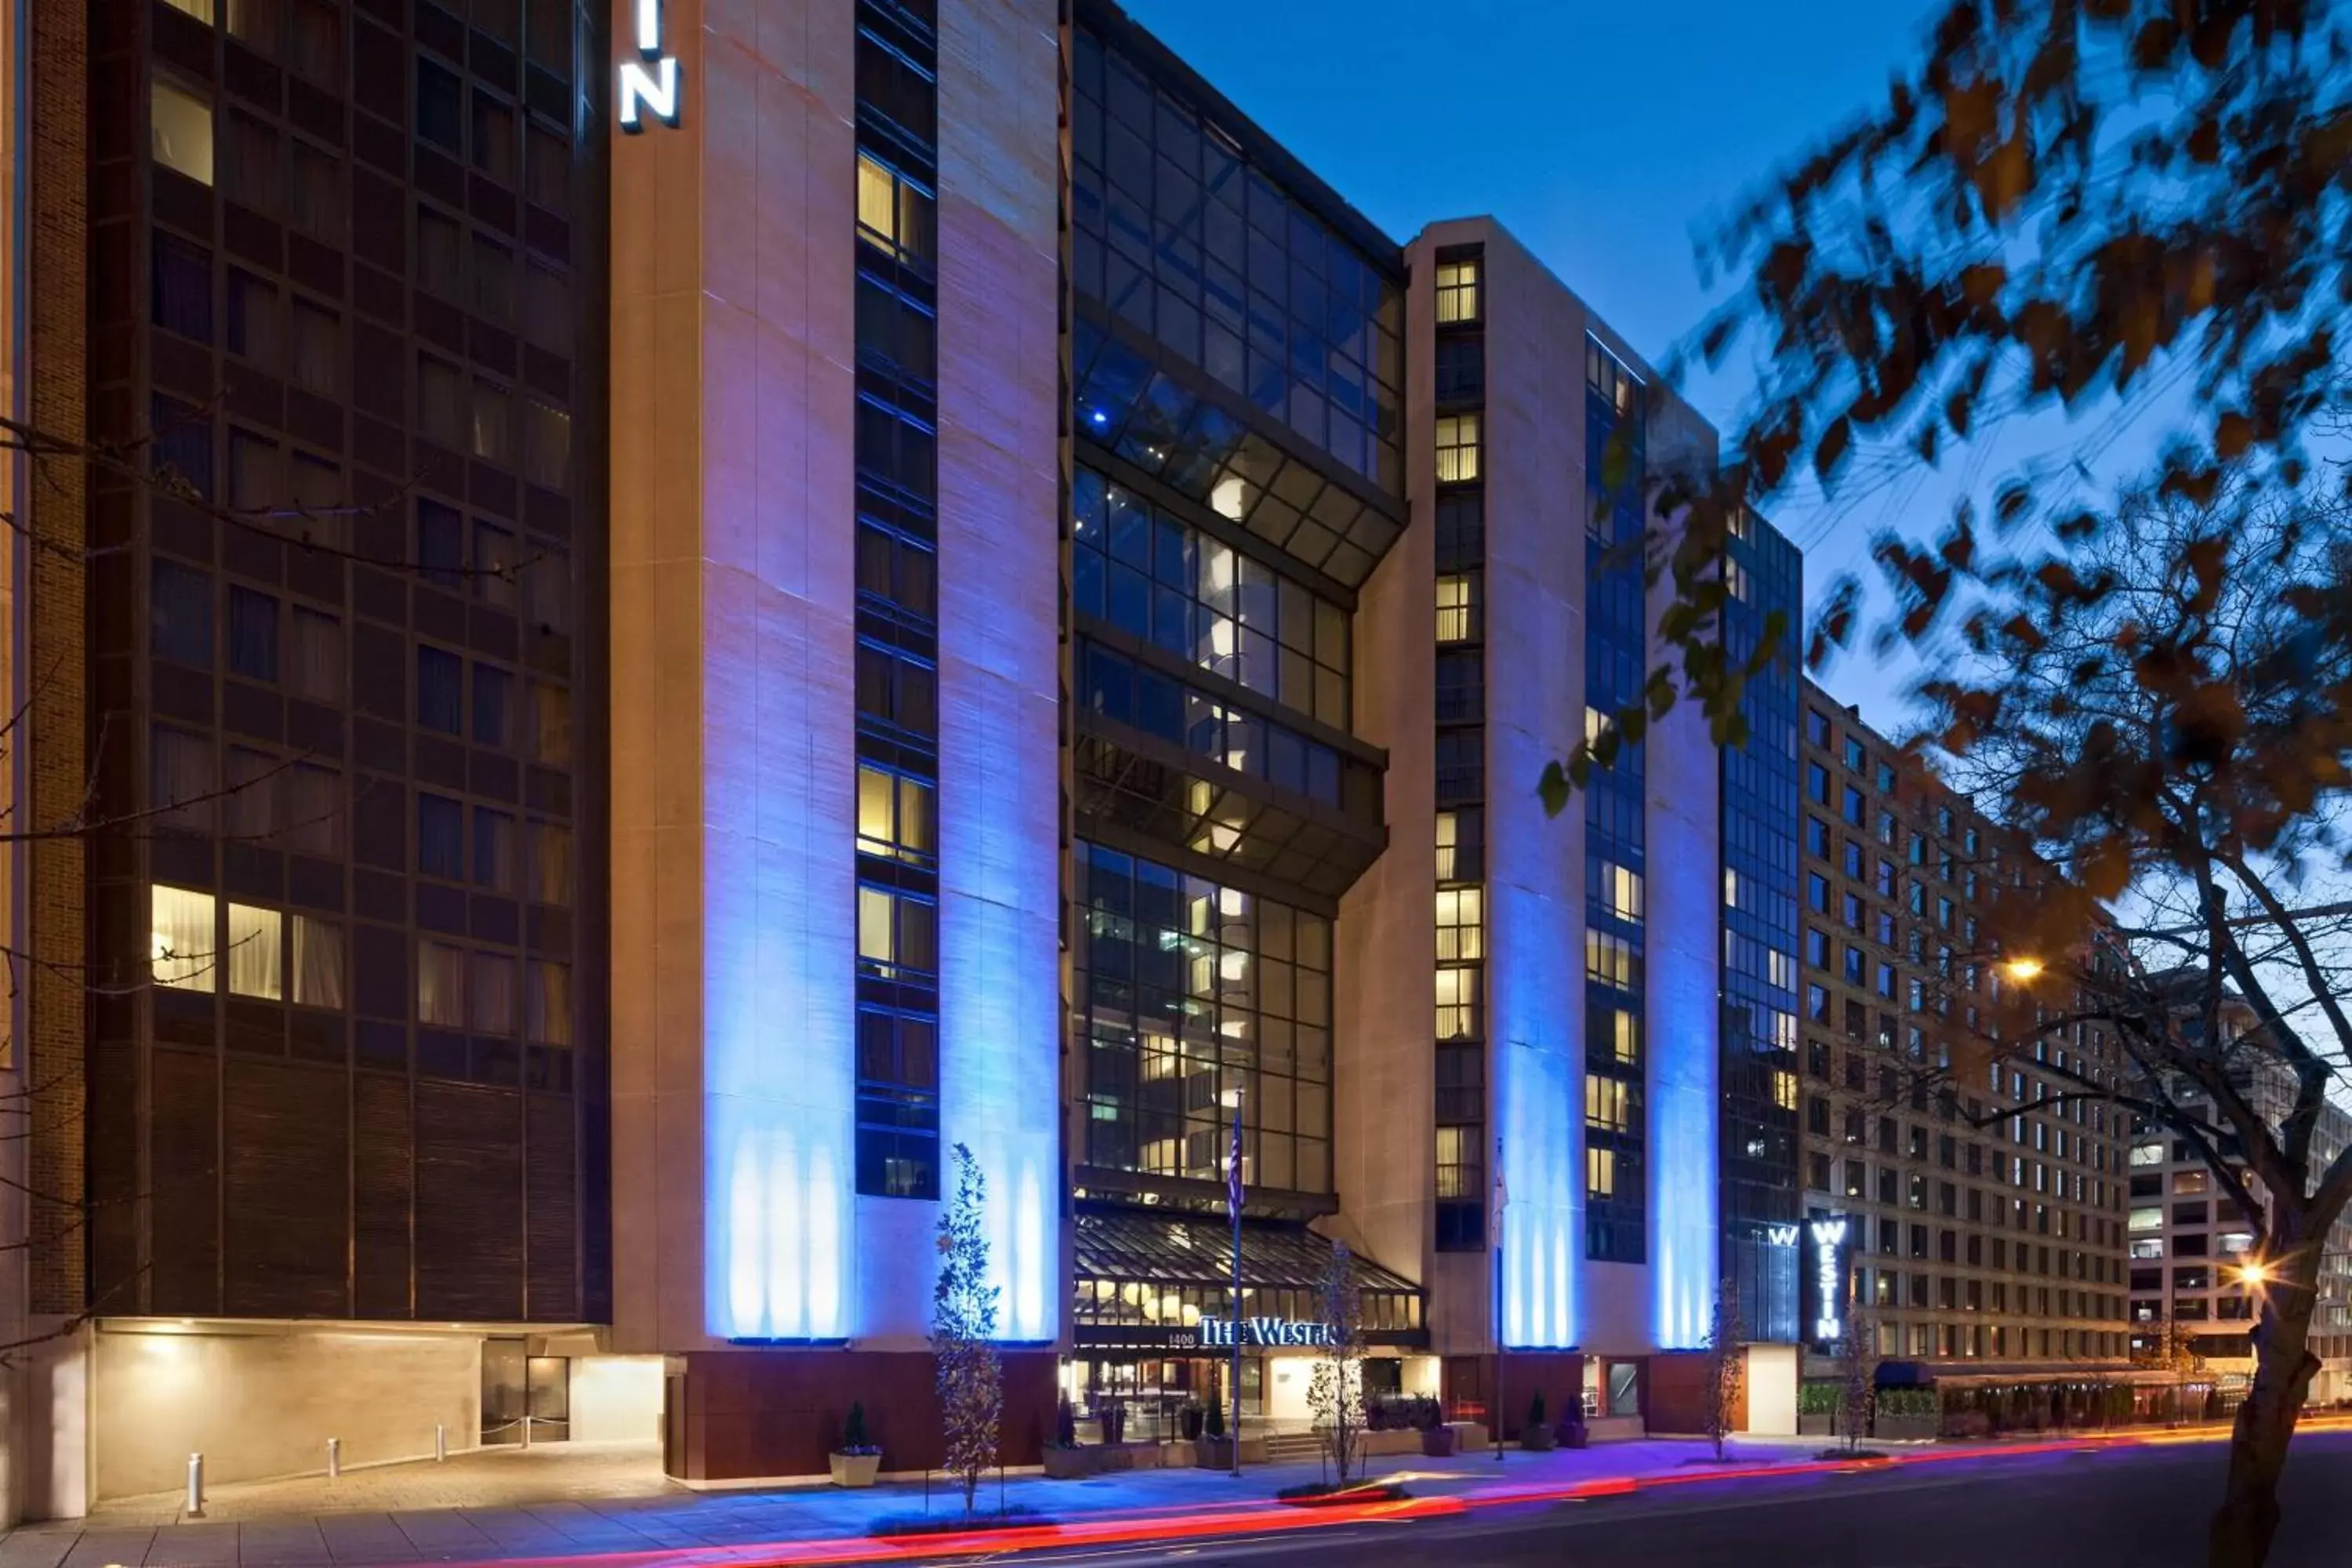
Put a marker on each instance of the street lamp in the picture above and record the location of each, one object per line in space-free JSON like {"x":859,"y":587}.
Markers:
{"x":1233,"y":1097}
{"x":2021,"y":970}
{"x":2253,"y":1274}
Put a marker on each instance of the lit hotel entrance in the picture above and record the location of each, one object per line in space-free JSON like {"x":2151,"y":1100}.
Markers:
{"x":1152,"y":1324}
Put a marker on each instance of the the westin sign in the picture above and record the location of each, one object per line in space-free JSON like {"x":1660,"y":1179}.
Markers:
{"x":1217,"y":1333}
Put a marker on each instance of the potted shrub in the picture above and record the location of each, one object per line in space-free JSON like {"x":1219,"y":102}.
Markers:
{"x":1065,"y":1460}
{"x":1573,"y":1433}
{"x":857,"y":1458}
{"x":1537,"y":1436}
{"x":1193,"y":1419}
{"x":1437,"y":1439}
{"x":1114,"y":1423}
{"x":1209,"y":1449}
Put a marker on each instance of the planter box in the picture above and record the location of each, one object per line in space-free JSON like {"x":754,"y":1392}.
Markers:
{"x":1816,"y":1426}
{"x":1575,"y":1435}
{"x":854,"y":1469}
{"x":1212,"y":1453}
{"x":1469,"y":1436}
{"x":1126,"y":1457}
{"x":1538,"y":1437}
{"x":1437,"y":1443}
{"x":1391,"y":1441}
{"x":1070,"y":1464}
{"x":1905,"y":1428}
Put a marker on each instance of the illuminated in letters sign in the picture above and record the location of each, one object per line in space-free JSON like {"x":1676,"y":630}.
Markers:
{"x":649,"y":84}
{"x":1217,"y":1333}
{"x":1827,"y":1250}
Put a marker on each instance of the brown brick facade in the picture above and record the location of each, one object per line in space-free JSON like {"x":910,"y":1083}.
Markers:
{"x":58,"y":209}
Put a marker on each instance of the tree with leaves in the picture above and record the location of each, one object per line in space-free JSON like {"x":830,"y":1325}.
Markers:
{"x":1335,"y":1391}
{"x":1727,"y":1366}
{"x":963,"y":1331}
{"x":2081,"y":208}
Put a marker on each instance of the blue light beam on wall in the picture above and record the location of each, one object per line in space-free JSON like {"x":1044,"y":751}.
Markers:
{"x":778,"y":1098}
{"x":1685,"y":1077}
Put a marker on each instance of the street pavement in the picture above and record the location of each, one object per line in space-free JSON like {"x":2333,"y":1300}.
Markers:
{"x":2119,"y":1507}
{"x":1659,"y":1501}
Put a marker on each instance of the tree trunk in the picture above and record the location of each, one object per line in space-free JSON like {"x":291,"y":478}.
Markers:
{"x":2283,"y":1368}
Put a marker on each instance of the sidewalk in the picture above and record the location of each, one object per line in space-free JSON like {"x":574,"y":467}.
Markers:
{"x":341,"y":1529}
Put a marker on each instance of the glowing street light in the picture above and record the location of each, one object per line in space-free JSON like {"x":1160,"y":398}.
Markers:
{"x":2021,"y":970}
{"x":2253,"y":1273}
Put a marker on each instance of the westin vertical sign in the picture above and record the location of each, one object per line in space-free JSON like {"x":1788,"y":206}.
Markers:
{"x":1824,"y":1273}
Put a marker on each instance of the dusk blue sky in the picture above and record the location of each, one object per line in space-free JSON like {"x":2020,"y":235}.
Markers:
{"x":1601,"y":134}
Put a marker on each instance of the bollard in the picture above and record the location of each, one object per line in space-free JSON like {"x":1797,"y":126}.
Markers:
{"x":440,"y":1442}
{"x":334,"y":1457}
{"x":195,"y":1486}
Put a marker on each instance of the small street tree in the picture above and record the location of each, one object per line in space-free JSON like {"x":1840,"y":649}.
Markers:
{"x":963,"y":1331}
{"x":1336,"y":1390}
{"x":1857,"y":1376}
{"x":1727,"y":1366}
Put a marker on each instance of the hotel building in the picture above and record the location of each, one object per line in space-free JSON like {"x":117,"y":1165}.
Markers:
{"x":1984,"y":1245}
{"x":746,"y":598}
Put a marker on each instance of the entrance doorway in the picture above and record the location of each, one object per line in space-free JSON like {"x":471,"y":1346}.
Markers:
{"x":526,"y":1399}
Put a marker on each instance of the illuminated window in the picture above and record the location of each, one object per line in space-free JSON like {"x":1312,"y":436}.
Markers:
{"x":317,"y":963}
{"x":1459,"y":924}
{"x":1622,"y":1032}
{"x":1460,"y":844}
{"x":1620,"y":891}
{"x":202,"y":10}
{"x":1735,"y":580}
{"x":2146,"y":1219}
{"x":894,"y":815}
{"x":440,"y":984}
{"x":1457,"y":291}
{"x":1457,"y":1003}
{"x":1457,"y":606}
{"x":1608,"y":1103}
{"x":1457,"y":448}
{"x":548,"y":1005}
{"x":1457,"y":1162}
{"x":893,"y":212}
{"x":897,"y":934}
{"x":255,"y":955}
{"x":1784,"y":1090}
{"x":1610,"y":960}
{"x":1600,"y":1173}
{"x":182,"y":132}
{"x":551,"y":729}
{"x":181,"y":940}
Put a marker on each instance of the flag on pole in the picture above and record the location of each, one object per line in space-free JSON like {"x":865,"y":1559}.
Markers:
{"x":1502,"y":1193}
{"x":1233,"y":1163}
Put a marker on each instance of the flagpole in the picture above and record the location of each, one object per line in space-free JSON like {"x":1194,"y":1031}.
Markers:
{"x":1502,"y":1202}
{"x":1234,"y":1203}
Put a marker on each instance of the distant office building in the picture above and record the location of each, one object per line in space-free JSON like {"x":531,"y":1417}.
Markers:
{"x":2190,"y":1243}
{"x":1986,"y":1237}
